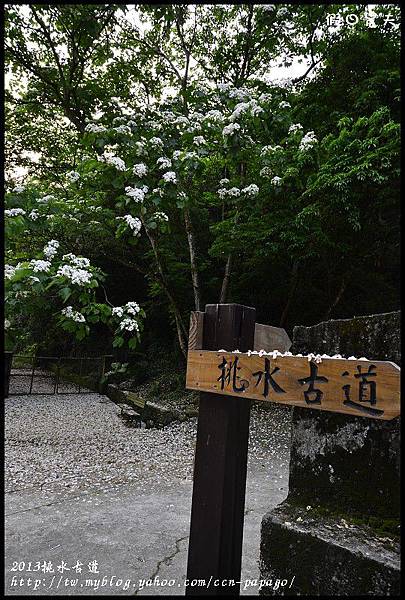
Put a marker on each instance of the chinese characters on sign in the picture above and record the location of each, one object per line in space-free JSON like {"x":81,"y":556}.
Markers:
{"x":312,"y":395}
{"x":368,"y":389}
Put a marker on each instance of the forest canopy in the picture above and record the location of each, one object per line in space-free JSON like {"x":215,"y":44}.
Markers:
{"x":156,"y":161}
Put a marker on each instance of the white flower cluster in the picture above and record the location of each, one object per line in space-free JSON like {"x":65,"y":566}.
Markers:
{"x":161,"y":216}
{"x":40,"y":266}
{"x":34,"y":214}
{"x":18,"y":189}
{"x":282,"y":12}
{"x":276,"y":181}
{"x":223,"y":192}
{"x":14,"y":212}
{"x":140,"y":170}
{"x":156,"y":142}
{"x":239,"y":93}
{"x":224,"y":181}
{"x":176,"y":154}
{"x":140,"y":148}
{"x":269,"y":150}
{"x":137,"y":194}
{"x":251,"y":190}
{"x":165,"y":163}
{"x":76,"y":269}
{"x":181,"y":121}
{"x":94,"y":128}
{"x":73,"y":176}
{"x":199,"y":140}
{"x":133,"y":223}
{"x":77,"y":261}
{"x":73,"y":314}
{"x":264,"y":97}
{"x":243,"y":107}
{"x":266,"y":172}
{"x":295,"y":127}
{"x":9,"y":271}
{"x":132,"y":308}
{"x":285,"y":104}
{"x":170,"y":177}
{"x":214,"y":115}
{"x":115,"y":161}
{"x":230,"y":129}
{"x":123,"y":129}
{"x":128,"y":323}
{"x":308,"y":141}
{"x":51,"y":249}
{"x":45,"y":199}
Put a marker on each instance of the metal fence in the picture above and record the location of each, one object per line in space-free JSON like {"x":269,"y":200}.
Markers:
{"x":44,"y":375}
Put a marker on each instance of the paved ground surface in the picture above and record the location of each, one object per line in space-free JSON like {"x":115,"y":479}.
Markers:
{"x":82,"y":486}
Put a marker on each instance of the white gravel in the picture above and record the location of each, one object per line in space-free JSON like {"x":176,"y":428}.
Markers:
{"x":67,"y":443}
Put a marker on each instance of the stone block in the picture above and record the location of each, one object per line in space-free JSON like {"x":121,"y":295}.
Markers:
{"x":326,"y":556}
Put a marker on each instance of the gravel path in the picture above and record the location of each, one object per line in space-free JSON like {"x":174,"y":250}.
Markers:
{"x":73,"y":442}
{"x":80,"y":484}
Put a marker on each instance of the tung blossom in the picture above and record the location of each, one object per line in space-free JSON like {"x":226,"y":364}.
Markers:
{"x":165,"y":163}
{"x":14,"y":212}
{"x":133,"y":223}
{"x":79,"y":276}
{"x":161,"y":216}
{"x":308,"y":141}
{"x":295,"y":127}
{"x":137,"y":194}
{"x":156,"y":141}
{"x":40,"y":266}
{"x":140,"y":170}
{"x":94,"y":128}
{"x":51,"y":249}
{"x":73,"y":176}
{"x":170,"y":177}
{"x":230,"y":129}
{"x":251,"y":190}
{"x":277,"y":181}
{"x":73,"y":314}
{"x":9,"y":271}
{"x":199,"y":140}
{"x":114,"y":161}
{"x":18,"y":189}
{"x":123,"y":129}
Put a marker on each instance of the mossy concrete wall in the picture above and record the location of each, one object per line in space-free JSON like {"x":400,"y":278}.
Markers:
{"x":346,"y":470}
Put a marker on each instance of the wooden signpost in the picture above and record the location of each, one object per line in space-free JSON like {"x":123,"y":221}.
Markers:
{"x":357,"y":387}
{"x":227,"y":382}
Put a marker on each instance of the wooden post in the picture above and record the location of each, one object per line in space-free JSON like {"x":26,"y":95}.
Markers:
{"x":217,"y":514}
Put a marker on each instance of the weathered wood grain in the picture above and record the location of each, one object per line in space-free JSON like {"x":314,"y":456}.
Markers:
{"x":195,"y":336}
{"x":217,"y":514}
{"x":204,"y":372}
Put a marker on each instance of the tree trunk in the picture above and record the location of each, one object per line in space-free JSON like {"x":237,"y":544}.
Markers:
{"x":181,"y":330}
{"x":337,"y":299}
{"x":291,"y":291}
{"x":225,"y":281}
{"x":193,"y":266}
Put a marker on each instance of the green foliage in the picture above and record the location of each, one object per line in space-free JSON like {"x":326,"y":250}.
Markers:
{"x":302,"y":174}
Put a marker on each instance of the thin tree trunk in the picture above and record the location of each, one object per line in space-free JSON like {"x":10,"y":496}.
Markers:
{"x":337,"y":299}
{"x":225,"y":281}
{"x":291,"y":291}
{"x":193,"y":265}
{"x":181,"y":330}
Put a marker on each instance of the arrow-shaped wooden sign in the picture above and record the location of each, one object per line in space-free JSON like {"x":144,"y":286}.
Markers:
{"x":356,"y":387}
